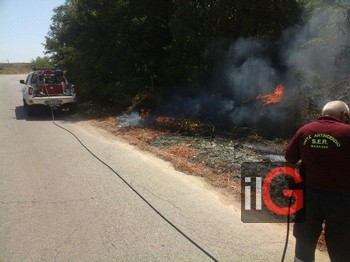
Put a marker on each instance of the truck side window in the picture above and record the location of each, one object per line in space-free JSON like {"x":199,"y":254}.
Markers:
{"x":34,"y":79}
{"x":28,"y":80}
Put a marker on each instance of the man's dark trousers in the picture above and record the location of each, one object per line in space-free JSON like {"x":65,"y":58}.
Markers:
{"x":331,"y":208}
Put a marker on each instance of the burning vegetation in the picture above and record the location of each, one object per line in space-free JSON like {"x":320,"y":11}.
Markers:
{"x":193,"y":147}
{"x":273,"y":98}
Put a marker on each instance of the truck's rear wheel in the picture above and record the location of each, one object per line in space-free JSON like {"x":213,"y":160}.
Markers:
{"x":72,"y":108}
{"x":30,"y":110}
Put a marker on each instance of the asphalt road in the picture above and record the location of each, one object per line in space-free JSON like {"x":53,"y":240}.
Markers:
{"x":58,"y":203}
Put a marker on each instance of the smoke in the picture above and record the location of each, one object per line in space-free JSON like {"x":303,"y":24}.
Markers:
{"x":315,"y":50}
{"x":130,"y":120}
{"x":304,"y":56}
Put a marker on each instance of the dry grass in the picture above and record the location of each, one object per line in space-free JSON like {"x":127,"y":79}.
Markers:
{"x":178,"y":155}
{"x":14,"y":68}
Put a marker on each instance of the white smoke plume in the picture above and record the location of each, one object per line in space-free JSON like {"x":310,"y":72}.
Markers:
{"x":306,"y":55}
{"x":316,"y":49}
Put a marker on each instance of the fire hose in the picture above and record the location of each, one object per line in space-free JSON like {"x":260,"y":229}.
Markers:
{"x":287,"y":234}
{"x":129,"y":185}
{"x":146,"y":201}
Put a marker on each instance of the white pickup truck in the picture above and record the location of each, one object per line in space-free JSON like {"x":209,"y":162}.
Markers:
{"x":48,"y":87}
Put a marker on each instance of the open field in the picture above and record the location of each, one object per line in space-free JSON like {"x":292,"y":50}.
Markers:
{"x":14,"y":68}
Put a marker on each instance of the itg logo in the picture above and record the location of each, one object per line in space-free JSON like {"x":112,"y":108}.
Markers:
{"x":268,"y":188}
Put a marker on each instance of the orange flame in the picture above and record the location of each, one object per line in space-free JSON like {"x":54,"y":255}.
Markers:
{"x":273,"y":98}
{"x":144,"y":113}
{"x":163,"y":119}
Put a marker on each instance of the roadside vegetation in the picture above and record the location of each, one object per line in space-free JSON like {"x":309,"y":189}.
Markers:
{"x":121,"y":52}
{"x":14,"y":68}
{"x":24,"y":68}
{"x":202,"y":60}
{"x":43,"y":61}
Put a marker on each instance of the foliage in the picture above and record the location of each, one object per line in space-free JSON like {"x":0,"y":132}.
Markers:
{"x":44,"y":61}
{"x":117,"y":50}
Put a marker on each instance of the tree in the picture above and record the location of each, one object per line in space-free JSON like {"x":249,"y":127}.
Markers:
{"x":114,"y":44}
{"x":44,"y":61}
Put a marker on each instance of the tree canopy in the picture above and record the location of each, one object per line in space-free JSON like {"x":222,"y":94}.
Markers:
{"x":43,"y":61}
{"x":116,"y":50}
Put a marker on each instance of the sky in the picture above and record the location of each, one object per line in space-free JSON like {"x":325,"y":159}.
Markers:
{"x":23,"y":27}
